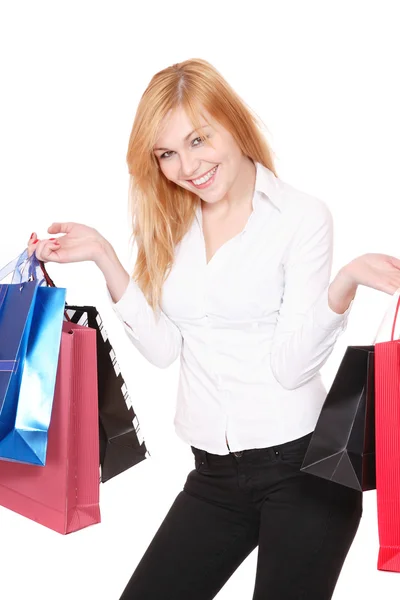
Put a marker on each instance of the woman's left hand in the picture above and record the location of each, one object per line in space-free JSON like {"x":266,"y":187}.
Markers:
{"x":378,"y":271}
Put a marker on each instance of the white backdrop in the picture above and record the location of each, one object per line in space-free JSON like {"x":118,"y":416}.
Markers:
{"x":323,"y":77}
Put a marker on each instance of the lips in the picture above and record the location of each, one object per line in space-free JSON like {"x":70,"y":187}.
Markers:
{"x":209,"y":175}
{"x":201,"y":176}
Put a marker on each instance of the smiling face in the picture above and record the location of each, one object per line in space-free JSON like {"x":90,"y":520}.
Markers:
{"x":185,"y":159}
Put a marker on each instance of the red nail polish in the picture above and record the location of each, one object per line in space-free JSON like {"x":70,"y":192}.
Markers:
{"x":32,"y":235}
{"x":52,"y":238}
{"x":36,"y":241}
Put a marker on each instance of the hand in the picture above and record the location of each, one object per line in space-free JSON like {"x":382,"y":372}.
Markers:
{"x":80,"y":243}
{"x":378,"y":271}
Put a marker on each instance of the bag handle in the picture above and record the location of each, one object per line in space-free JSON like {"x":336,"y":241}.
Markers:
{"x":35,"y":266}
{"x":395,"y":319}
{"x":394,"y":306}
{"x":18,"y":275}
{"x":50,"y":283}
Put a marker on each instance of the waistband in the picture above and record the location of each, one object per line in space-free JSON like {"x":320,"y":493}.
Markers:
{"x":270,"y":451}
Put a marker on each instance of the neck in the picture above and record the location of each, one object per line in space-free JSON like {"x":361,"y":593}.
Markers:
{"x":240,"y":194}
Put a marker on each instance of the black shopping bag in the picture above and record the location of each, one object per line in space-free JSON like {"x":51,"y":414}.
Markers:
{"x":342,"y":447}
{"x":121,"y":445}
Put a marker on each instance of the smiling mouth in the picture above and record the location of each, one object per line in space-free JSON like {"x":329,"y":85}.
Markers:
{"x":204,"y":178}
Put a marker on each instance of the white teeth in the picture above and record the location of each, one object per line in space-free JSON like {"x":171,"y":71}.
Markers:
{"x":205,"y":178}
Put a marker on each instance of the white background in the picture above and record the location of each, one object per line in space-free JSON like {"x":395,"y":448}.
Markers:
{"x":323,"y":76}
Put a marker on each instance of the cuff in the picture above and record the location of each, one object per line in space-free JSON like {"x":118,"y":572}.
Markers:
{"x":126,"y":306}
{"x":326,"y":317}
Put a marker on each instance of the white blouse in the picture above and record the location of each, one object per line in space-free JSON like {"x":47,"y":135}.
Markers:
{"x":252,"y":327}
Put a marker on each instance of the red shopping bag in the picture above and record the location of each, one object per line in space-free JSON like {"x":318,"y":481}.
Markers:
{"x":64,"y":494}
{"x":387,"y":448}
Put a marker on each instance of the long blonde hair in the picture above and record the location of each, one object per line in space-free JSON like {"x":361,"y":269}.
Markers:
{"x":162,"y":212}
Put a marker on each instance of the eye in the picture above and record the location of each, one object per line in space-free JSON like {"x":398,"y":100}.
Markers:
{"x":201,"y":138}
{"x":164,"y":154}
{"x":169,"y":152}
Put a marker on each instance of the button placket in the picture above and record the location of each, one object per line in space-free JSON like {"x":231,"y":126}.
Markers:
{"x":242,"y":470}
{"x":226,"y":394}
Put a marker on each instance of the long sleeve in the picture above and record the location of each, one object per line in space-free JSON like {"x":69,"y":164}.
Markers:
{"x":307,"y":328}
{"x":159,"y":342}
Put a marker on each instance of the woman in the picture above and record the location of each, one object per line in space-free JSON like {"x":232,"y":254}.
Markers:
{"x":243,"y":261}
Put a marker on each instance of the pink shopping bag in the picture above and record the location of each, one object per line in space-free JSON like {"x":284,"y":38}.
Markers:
{"x":64,"y":494}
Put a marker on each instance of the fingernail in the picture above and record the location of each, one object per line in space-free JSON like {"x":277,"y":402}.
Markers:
{"x":32,"y":235}
{"x":52,"y":238}
{"x":36,"y":241}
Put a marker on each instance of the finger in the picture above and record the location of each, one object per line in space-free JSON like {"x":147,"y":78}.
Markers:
{"x":32,"y":245}
{"x":49,"y":246}
{"x":60,"y":228}
{"x":32,"y":238}
{"x":53,"y":253}
{"x":35,"y":247}
{"x":395,"y":262}
{"x":44,"y":248}
{"x":395,"y":285}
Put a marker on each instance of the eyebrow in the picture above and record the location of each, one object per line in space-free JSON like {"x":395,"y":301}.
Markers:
{"x":186,"y":137}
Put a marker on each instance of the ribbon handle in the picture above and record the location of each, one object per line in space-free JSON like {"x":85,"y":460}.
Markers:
{"x":36,"y":272}
{"x":20,"y":273}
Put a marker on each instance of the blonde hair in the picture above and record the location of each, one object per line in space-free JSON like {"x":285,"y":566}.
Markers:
{"x":162,"y":212}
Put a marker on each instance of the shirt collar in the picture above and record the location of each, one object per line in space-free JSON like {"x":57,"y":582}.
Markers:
{"x":267,"y":184}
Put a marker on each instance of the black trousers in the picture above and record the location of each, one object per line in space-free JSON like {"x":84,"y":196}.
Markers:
{"x":303,"y":527}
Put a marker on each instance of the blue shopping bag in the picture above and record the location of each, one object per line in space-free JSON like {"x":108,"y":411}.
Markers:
{"x":31,"y":317}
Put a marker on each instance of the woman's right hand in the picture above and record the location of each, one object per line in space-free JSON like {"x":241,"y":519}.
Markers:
{"x":80,"y":243}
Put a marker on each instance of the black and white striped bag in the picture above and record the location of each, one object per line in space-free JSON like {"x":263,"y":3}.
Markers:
{"x":121,"y":443}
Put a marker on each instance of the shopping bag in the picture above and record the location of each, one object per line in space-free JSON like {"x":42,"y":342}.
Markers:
{"x":387,"y":394}
{"x":64,"y":494}
{"x":121,"y":443}
{"x":31,"y":318}
{"x":342,"y":447}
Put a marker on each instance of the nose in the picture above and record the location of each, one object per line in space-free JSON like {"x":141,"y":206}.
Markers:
{"x":189,"y":166}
